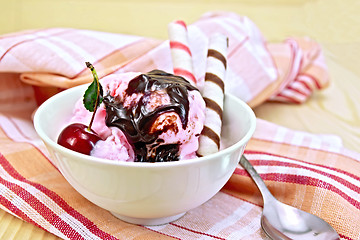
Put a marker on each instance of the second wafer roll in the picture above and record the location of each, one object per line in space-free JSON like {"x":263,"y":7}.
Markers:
{"x":213,"y":94}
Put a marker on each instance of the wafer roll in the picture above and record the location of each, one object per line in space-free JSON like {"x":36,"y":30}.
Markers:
{"x":180,"y":51}
{"x":213,"y":94}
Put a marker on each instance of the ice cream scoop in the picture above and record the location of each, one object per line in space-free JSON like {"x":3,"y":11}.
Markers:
{"x":146,"y":117}
{"x":159,"y":113}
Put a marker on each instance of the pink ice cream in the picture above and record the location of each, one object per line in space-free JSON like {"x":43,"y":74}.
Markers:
{"x":146,"y":117}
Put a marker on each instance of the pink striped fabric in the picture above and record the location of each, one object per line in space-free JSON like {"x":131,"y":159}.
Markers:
{"x":300,"y":84}
{"x":312,"y":172}
{"x":257,"y":71}
{"x":230,"y":216}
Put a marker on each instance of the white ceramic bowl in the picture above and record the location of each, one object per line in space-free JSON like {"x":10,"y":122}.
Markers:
{"x":145,"y":193}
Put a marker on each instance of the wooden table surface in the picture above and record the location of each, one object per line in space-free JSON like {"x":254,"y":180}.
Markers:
{"x":333,"y":23}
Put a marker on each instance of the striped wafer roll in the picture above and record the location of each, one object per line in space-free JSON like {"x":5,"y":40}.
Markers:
{"x":213,"y":94}
{"x":180,"y":51}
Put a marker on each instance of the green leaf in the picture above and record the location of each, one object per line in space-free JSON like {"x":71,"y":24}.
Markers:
{"x":90,"y":96}
{"x":94,"y":93}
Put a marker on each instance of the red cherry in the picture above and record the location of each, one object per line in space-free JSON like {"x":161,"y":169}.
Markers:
{"x":77,"y":137}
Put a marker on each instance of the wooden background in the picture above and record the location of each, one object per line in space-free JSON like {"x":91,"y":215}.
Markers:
{"x":333,"y":23}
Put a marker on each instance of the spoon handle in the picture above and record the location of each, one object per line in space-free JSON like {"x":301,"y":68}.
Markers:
{"x":267,"y":196}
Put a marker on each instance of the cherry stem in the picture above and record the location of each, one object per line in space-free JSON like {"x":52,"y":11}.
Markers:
{"x":96,"y":78}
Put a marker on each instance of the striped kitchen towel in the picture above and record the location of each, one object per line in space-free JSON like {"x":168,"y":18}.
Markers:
{"x":312,"y":172}
{"x":257,"y":71}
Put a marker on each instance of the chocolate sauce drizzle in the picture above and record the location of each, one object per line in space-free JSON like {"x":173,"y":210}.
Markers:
{"x":136,"y":121}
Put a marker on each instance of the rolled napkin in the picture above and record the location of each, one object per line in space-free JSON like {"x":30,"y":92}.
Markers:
{"x":257,"y":71}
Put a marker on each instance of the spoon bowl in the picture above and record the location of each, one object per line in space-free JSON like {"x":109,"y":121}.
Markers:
{"x":281,"y":221}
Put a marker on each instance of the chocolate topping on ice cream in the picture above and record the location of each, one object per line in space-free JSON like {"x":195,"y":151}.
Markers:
{"x":137,"y":120}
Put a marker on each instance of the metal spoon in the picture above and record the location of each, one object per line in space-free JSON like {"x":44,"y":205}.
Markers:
{"x":281,"y":221}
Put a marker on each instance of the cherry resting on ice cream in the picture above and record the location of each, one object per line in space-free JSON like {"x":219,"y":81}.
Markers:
{"x":77,"y":136}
